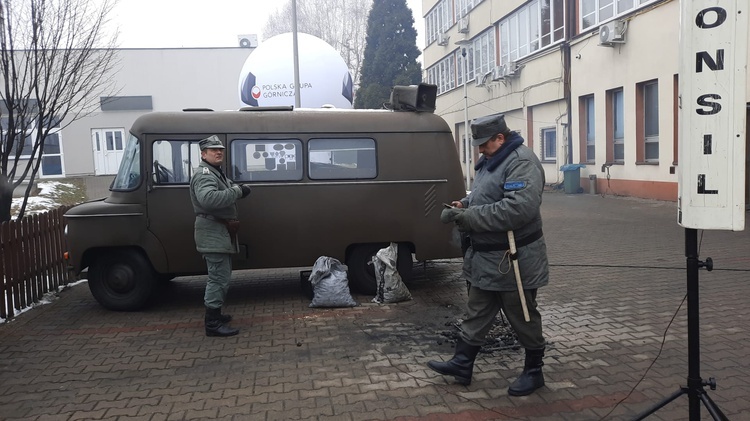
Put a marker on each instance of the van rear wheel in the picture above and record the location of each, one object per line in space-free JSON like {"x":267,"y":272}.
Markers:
{"x":361,"y":272}
{"x":122,"y":280}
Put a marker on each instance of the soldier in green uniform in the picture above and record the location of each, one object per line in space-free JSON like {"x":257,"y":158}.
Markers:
{"x":214,"y":200}
{"x":506,"y":196}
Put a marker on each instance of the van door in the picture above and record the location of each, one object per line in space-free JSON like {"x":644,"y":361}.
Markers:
{"x":172,"y":161}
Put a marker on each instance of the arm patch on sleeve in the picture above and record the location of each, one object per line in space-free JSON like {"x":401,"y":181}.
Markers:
{"x":514,"y":185}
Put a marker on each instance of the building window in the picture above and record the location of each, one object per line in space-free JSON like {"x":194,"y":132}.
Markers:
{"x":470,"y":63}
{"x":480,"y":55}
{"x":651,"y":121}
{"x":438,"y":20}
{"x":483,"y":53}
{"x":588,"y":129}
{"x":52,"y":156}
{"x":114,"y":140}
{"x":618,"y":125}
{"x":443,"y":74}
{"x":463,"y":7}
{"x":647,"y":121}
{"x":462,"y":150}
{"x":549,"y":144}
{"x":594,"y":12}
{"x":26,"y":148}
{"x":461,"y":65}
{"x":534,"y":26}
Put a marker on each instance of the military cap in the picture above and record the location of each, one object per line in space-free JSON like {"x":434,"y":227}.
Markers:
{"x":211,"y":142}
{"x":483,"y":128}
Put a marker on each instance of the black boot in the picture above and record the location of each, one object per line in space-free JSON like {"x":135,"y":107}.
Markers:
{"x":215,"y":326}
{"x":532,"y":377}
{"x":461,"y":365}
{"x":225,"y":318}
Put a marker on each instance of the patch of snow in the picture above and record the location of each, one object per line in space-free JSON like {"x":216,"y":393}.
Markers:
{"x":47,"y":298}
{"x":45,"y":200}
{"x":50,"y":188}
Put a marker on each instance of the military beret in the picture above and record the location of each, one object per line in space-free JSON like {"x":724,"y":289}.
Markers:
{"x":211,"y":142}
{"x":483,"y":128}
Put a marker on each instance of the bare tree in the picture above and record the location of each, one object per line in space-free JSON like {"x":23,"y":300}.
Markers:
{"x":55,"y":56}
{"x":340,"y":23}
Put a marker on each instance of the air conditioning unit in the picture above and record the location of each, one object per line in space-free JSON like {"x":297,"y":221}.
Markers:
{"x":463,"y":25}
{"x":481,"y":80}
{"x":612,"y":32}
{"x":506,"y":70}
{"x":248,"y":41}
{"x":443,"y":39}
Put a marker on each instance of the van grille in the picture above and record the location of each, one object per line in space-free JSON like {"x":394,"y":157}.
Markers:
{"x":430,"y":200}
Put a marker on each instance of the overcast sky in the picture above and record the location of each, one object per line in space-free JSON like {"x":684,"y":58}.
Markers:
{"x":191,"y":23}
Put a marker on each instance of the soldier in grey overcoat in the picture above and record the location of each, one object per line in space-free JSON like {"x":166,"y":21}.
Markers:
{"x":214,"y":200}
{"x":506,"y":196}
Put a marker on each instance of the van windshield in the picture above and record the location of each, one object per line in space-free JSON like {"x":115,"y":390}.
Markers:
{"x":129,"y":175}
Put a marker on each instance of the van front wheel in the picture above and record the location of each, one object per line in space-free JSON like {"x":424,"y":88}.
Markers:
{"x":122,"y":280}
{"x":361,"y":272}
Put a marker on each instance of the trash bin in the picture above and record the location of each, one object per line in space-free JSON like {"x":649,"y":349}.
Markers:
{"x":592,"y":183}
{"x":572,"y":178}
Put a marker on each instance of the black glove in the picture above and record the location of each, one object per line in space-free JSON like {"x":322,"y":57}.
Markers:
{"x":450,"y":214}
{"x":245,"y":190}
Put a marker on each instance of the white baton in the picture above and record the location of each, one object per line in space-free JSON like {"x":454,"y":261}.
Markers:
{"x":514,"y":262}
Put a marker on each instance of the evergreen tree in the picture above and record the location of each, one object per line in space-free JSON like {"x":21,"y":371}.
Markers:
{"x":390,"y":53}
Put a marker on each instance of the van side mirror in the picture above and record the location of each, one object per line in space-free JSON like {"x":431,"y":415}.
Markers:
{"x":414,"y":98}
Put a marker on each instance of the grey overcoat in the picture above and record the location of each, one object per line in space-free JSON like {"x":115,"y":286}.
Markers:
{"x":214,"y":195}
{"x":507,"y":197}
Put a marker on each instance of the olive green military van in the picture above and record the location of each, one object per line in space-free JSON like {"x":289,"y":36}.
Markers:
{"x":325,"y":182}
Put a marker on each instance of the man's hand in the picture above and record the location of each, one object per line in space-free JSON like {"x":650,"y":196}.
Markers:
{"x":462,"y":222}
{"x":450,"y":214}
{"x":245,"y":190}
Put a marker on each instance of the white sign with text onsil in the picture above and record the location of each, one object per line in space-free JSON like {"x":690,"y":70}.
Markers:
{"x":712,"y":79}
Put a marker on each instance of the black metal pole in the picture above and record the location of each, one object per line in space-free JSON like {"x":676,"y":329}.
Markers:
{"x":694,"y":389}
{"x":695,"y":383}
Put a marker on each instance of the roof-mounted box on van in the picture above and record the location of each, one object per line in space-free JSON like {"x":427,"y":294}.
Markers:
{"x":414,"y":98}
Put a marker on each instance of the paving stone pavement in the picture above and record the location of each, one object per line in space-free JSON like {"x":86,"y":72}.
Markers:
{"x":618,"y":280}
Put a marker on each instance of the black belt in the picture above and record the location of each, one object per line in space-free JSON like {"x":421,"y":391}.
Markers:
{"x":506,"y":246}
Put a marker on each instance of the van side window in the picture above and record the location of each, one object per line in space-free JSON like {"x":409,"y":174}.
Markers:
{"x":266,"y":160}
{"x":175,"y":161}
{"x":342,"y":158}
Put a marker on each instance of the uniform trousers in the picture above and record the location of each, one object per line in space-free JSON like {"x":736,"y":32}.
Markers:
{"x":219,"y":273}
{"x":483,"y":306}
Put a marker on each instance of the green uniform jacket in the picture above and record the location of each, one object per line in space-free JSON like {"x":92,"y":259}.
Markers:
{"x":508,"y":197}
{"x":215,"y":195}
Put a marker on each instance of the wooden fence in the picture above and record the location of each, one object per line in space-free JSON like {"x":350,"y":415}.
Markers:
{"x":31,"y":259}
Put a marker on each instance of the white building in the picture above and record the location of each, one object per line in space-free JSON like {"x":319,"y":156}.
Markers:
{"x":592,"y":82}
{"x":147,"y":80}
